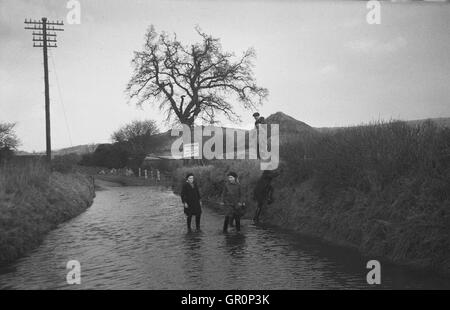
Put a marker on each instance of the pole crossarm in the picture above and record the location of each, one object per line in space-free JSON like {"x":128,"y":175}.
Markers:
{"x":40,"y":45}
{"x":54,"y":29}
{"x":41,"y":34}
{"x":42,"y":40}
{"x":40,"y":22}
{"x":57,"y":23}
{"x":36,"y":22}
{"x":34,"y":28}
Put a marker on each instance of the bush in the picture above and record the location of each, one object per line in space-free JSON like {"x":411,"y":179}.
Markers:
{"x":66,"y":163}
{"x":370,"y":157}
{"x":5,"y":154}
{"x":107,"y":155}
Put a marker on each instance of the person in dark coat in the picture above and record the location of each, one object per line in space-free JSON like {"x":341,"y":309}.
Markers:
{"x":263,"y":192}
{"x":190,"y":197}
{"x":232,"y":200}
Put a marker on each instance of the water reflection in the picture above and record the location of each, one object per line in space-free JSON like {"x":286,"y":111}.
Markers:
{"x":194,"y":258}
{"x":235,"y":245}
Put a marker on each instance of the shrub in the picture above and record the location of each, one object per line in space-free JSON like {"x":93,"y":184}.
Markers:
{"x":371,"y":157}
{"x":66,"y":163}
{"x":107,"y":155}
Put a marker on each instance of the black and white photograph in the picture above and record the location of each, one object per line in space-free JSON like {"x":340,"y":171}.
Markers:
{"x":213,"y":148}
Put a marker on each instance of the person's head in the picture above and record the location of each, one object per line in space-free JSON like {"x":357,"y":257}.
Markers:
{"x":256,"y":115}
{"x":232,"y":177}
{"x":190,"y":178}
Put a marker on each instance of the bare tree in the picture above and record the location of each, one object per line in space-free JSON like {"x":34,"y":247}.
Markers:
{"x":134,"y":130}
{"x":190,"y":81}
{"x":137,"y":135}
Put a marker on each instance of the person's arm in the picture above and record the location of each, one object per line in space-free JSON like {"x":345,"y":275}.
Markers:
{"x":240,"y":194}
{"x":254,"y":192}
{"x":222,"y":195}
{"x":198,"y":194}
{"x":270,"y":194}
{"x":183,"y":194}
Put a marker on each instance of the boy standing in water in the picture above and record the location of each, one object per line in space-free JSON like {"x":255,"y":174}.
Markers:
{"x":232,"y":200}
{"x":190,"y":196}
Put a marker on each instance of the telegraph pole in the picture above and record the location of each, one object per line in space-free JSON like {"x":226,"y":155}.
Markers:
{"x":45,"y":36}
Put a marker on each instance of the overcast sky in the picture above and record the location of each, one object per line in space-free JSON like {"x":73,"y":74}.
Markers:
{"x":321,"y":61}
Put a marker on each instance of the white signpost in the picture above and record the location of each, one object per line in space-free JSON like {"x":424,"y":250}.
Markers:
{"x":191,"y":150}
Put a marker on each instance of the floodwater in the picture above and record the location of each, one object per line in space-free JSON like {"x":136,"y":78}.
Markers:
{"x":135,"y":238}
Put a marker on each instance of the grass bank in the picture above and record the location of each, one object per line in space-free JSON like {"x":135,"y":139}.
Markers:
{"x":383,"y":189}
{"x":34,"y":201}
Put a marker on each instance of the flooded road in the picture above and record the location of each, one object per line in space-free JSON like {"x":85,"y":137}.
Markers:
{"x":135,"y":238}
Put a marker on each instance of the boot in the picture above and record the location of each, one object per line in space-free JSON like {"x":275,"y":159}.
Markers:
{"x":188,"y":222}
{"x":197,"y":223}
{"x":238,"y":223}
{"x":225,"y":224}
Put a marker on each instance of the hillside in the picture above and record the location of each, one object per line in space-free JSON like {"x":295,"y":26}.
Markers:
{"x":288,"y":124}
{"x":291,"y":130}
{"x":78,"y":149}
{"x":441,"y":122}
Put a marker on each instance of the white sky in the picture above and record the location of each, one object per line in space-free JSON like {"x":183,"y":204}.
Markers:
{"x":322,"y":63}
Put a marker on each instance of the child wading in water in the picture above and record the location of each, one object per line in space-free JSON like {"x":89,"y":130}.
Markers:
{"x":190,"y":196}
{"x":233,"y":202}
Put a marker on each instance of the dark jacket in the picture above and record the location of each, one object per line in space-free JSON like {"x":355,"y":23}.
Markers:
{"x":260,"y":120}
{"x":191,"y":196}
{"x":263,"y":191}
{"x":231,"y":193}
{"x":231,"y":196}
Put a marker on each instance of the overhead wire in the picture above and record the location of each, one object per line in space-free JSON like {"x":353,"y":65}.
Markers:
{"x":61,"y":98}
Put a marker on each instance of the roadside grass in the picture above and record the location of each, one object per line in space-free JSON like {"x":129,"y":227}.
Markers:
{"x":34,"y":201}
